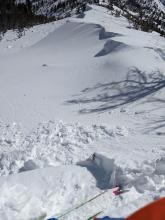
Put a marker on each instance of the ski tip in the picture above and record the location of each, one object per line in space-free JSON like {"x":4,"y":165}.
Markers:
{"x":93,"y":217}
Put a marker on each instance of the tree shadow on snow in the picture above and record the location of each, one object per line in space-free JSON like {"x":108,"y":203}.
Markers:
{"x":161,"y":53}
{"x":107,"y":96}
{"x":156,"y":125}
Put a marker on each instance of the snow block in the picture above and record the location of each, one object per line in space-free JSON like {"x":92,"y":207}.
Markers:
{"x":104,"y":170}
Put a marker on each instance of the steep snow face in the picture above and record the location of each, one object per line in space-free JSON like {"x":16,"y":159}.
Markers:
{"x":106,"y":82}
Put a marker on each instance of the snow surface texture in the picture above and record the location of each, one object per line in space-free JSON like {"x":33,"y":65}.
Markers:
{"x":50,"y":145}
{"x":106,"y":82}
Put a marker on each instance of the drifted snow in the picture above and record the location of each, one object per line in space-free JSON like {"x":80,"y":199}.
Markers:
{"x":106,"y":82}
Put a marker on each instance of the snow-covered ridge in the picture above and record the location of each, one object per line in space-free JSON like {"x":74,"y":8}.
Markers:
{"x":99,"y":64}
{"x":11,"y":43}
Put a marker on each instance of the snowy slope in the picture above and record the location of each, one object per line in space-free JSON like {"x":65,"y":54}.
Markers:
{"x":106,"y":82}
{"x":47,"y":87}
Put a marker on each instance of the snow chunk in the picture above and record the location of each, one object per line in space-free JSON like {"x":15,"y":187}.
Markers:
{"x":46,"y":191}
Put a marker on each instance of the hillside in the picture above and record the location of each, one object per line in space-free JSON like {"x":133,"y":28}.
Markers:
{"x":144,"y":15}
{"x":82,"y":109}
{"x":55,"y":8}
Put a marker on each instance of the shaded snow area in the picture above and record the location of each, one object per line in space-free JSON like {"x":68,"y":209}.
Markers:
{"x":81,"y":111}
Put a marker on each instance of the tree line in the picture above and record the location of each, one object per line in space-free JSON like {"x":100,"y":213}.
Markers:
{"x":143,"y":16}
{"x":17,"y":15}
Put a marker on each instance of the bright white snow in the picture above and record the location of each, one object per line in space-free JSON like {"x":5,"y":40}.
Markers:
{"x":72,"y":88}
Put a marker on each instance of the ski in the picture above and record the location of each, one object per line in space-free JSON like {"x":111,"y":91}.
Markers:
{"x":80,"y":205}
{"x":93,"y":216}
{"x":116,"y":191}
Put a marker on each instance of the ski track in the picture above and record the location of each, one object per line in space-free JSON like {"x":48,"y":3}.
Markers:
{"x":125,"y":131}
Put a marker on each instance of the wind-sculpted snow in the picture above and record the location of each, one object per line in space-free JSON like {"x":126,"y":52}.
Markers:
{"x":110,"y":47}
{"x":48,"y":74}
{"x":12,"y":43}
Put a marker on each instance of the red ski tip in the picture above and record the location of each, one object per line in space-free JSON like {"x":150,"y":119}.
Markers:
{"x":117,"y":191}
